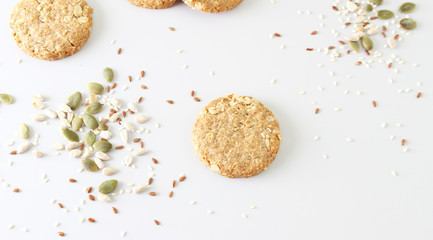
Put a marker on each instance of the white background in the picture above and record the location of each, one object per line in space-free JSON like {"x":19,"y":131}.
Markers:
{"x":350,"y":195}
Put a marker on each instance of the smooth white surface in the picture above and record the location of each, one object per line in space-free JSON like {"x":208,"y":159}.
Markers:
{"x":302,"y":196}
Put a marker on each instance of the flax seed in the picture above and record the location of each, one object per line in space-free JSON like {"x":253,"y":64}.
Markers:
{"x":172,"y":29}
{"x":131,"y":112}
{"x":91,"y":220}
{"x":396,"y":36}
{"x":331,"y":47}
{"x":367,"y":52}
{"x":154,"y":161}
{"x":112,"y":110}
{"x":85,"y":104}
{"x":136,"y":140}
{"x":192,"y":93}
{"x":152,"y":193}
{"x":418,"y":95}
{"x":358,"y":63}
{"x":104,"y":139}
{"x":197,"y":99}
{"x":170,"y":194}
{"x":374,"y":104}
{"x":150,"y":181}
{"x":60,"y":205}
{"x":313,"y":32}
{"x":14,"y":152}
{"x":104,"y":121}
{"x":129,"y":78}
{"x":310,"y":49}
{"x":115,"y":210}
{"x":403,"y":142}
{"x":72,"y":180}
{"x":384,"y":28}
{"x":365,"y":24}
{"x":119,"y":51}
{"x":342,"y":43}
{"x":181,"y":179}
{"x":277,"y":35}
{"x":81,"y":147}
{"x":140,"y":99}
{"x":91,"y":197}
{"x":373,"y":18}
{"x":316,"y":111}
{"x":143,"y":86}
{"x":114,"y":86}
{"x":142,"y":73}
{"x":141,"y":144}
{"x":383,"y":34}
{"x":89,"y":190}
{"x":156,"y":222}
{"x":335,"y":8}
{"x":61,"y":234}
{"x":108,"y":89}
{"x":119,"y":147}
{"x":170,"y":101}
{"x":124,"y":113}
{"x":347,"y":24}
{"x":16,"y":190}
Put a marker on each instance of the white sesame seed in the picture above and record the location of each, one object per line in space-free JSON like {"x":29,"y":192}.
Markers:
{"x":157,"y":125}
{"x":405,"y":149}
{"x":418,"y":83}
{"x":399,"y":90}
{"x":20,"y":60}
{"x":65,"y":210}
{"x":301,"y":93}
{"x":123,"y":233}
{"x":56,"y":224}
{"x":83,"y":201}
{"x":398,"y":124}
{"x":392,"y":138}
{"x":244,"y":215}
{"x":82,"y":220}
{"x":11,"y":163}
{"x":320,"y":88}
{"x":415,"y":65}
{"x":113,"y":42}
{"x":325,"y":156}
{"x":210,"y":211}
{"x":299,"y":12}
{"x":253,"y":207}
{"x":349,"y":139}
{"x":337,"y":109}
{"x":10,"y":226}
{"x":273,"y":81}
{"x":283,"y":46}
{"x":316,"y":138}
{"x":52,"y":201}
{"x":192,"y":202}
{"x":335,"y":83}
{"x":383,"y":125}
{"x":394,"y":173}
{"x":185,"y":66}
{"x":24,"y":229}
{"x":212,"y":73}
{"x":321,"y":16}
{"x":319,"y":65}
{"x":180,"y":51}
{"x":359,"y":93}
{"x":76,"y":208}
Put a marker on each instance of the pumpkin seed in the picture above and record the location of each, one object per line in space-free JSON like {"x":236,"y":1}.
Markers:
{"x":103,"y":146}
{"x":407,"y":7}
{"x":369,"y":8}
{"x":94,"y":108}
{"x":70,"y":135}
{"x":107,"y":186}
{"x":24,"y":131}
{"x":89,"y":138}
{"x":95,"y":88}
{"x":6,"y":98}
{"x":89,"y":165}
{"x":377,"y":2}
{"x":408,"y":24}
{"x":354,"y":45}
{"x":367,"y":43}
{"x":74,"y":100}
{"x":90,"y":121}
{"x":108,"y":74}
{"x":103,"y":126}
{"x":76,"y":124}
{"x":385,"y":14}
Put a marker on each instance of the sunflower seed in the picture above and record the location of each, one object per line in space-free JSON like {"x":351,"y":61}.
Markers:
{"x":75,"y":153}
{"x":58,"y":146}
{"x":354,"y":45}
{"x":140,"y":188}
{"x":391,"y":42}
{"x":50,"y":113}
{"x":74,"y":101}
{"x":37,"y":154}
{"x":95,"y":88}
{"x":407,"y":7}
{"x":140,"y":151}
{"x":65,"y":108}
{"x":128,"y":126}
{"x":108,"y":171}
{"x":38,"y":105}
{"x":94,"y":108}
{"x":102,"y":146}
{"x":89,"y":165}
{"x":90,"y":121}
{"x":128,"y":161}
{"x":72,"y":145}
{"x":114,"y":117}
{"x":102,"y":156}
{"x":38,"y":97}
{"x":408,"y":24}
{"x":108,"y":74}
{"x":93,"y":98}
{"x":87,"y":153}
{"x":24,"y":131}
{"x":124,"y":135}
{"x":104,"y":197}
{"x":99,"y":163}
{"x":108,"y":186}
{"x":6,"y":98}
{"x":367,"y":43}
{"x":106,"y":134}
{"x":132,"y":107}
{"x":351,"y":6}
{"x":76,"y":124}
{"x":39,"y":117}
{"x":89,"y":138}
{"x":385,"y":14}
{"x":141,"y":118}
{"x":23,"y":147}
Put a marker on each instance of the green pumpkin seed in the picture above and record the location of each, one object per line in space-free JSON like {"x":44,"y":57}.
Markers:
{"x":385,"y":14}
{"x":89,"y":165}
{"x":89,"y":138}
{"x":408,"y":24}
{"x":70,"y":135}
{"x":108,"y":74}
{"x":95,"y":88}
{"x":90,"y":121}
{"x":102,"y":126}
{"x":24,"y":131}
{"x":367,"y":43}
{"x":94,"y":108}
{"x":377,"y":2}
{"x":102,"y":146}
{"x":107,"y":186}
{"x":6,"y":98}
{"x":74,"y":100}
{"x":369,"y":8}
{"x":354,"y":45}
{"x":407,"y":7}
{"x":77,"y":123}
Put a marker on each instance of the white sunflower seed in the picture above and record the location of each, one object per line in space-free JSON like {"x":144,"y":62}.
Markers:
{"x":38,"y":154}
{"x":39,"y":117}
{"x":104,"y":197}
{"x":72,"y":145}
{"x":106,"y":134}
{"x":128,"y":161}
{"x":140,"y":188}
{"x":102,"y":156}
{"x":23,"y":147}
{"x":107,"y":171}
{"x":141,"y":118}
{"x":128,"y":126}
{"x":140,"y":151}
{"x":76,"y":153}
{"x":132,"y":107}
{"x":114,"y":117}
{"x":99,"y":163}
{"x":124,"y":135}
{"x":58,"y":146}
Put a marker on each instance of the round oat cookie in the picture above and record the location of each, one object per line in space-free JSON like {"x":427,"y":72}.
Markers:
{"x":153,"y":4}
{"x":51,"y":29}
{"x":236,"y":136}
{"x":212,"y":6}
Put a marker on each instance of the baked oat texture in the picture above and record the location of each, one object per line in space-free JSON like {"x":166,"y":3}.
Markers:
{"x":153,"y":4}
{"x":236,"y":136}
{"x":51,"y":29}
{"x":212,"y":6}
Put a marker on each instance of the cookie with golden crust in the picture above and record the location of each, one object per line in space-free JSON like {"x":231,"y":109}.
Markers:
{"x":212,"y":6}
{"x":153,"y":4}
{"x":51,"y":29}
{"x":236,"y":136}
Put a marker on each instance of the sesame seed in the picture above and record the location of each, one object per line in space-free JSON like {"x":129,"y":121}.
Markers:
{"x":193,"y":202}
{"x":405,"y":149}
{"x":392,"y":138}
{"x":253,"y":207}
{"x":394,"y":173}
{"x":123,"y":233}
{"x":337,"y":109}
{"x":325,"y":156}
{"x":210,"y":211}
{"x":316,"y":138}
{"x":244,"y":215}
{"x":10,"y":226}
{"x":349,"y":139}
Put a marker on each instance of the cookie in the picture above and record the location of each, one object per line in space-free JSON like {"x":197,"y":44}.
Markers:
{"x":236,"y":136}
{"x":51,"y":29}
{"x":212,"y":6}
{"x":153,"y":4}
